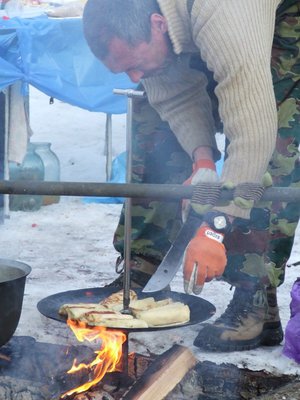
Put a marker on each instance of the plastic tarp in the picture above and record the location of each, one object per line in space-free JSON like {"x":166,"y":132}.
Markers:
{"x":118,"y":175}
{"x":52,"y":55}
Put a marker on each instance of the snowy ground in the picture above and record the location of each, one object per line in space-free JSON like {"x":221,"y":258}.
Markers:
{"x":69,"y":245}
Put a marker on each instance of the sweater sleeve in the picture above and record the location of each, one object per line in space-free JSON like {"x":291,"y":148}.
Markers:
{"x":179,"y":96}
{"x":235,"y":38}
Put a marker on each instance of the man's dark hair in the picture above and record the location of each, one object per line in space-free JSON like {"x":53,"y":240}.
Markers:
{"x":128,"y":20}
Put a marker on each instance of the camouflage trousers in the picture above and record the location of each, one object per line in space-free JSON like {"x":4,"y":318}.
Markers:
{"x":157,"y":157}
{"x":258,"y":255}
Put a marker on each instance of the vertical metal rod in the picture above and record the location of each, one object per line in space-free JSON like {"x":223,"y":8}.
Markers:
{"x":127,"y":237}
{"x":127,"y":223}
{"x":108,"y":146}
{"x":6,"y":164}
{"x":125,"y":355}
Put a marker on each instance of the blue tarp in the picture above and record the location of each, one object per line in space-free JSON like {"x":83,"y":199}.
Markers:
{"x":118,"y":175}
{"x":52,"y":55}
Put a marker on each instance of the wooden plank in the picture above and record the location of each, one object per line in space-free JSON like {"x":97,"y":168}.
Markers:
{"x":162,"y":375}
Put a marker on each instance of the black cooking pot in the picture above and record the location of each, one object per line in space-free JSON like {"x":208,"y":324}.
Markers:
{"x":12,"y":283}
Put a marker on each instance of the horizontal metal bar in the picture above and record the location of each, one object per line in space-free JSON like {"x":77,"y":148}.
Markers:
{"x":134,"y":190}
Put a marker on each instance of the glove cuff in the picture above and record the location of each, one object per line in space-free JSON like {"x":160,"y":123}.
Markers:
{"x":209,"y":164}
{"x":205,"y":195}
{"x":247,"y":194}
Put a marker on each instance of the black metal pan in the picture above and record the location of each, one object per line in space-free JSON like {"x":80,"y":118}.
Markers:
{"x":200,"y":309}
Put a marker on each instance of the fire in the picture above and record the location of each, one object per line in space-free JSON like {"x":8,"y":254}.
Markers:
{"x":107,"y":358}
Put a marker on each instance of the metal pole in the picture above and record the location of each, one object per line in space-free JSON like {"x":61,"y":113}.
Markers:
{"x":134,"y":190}
{"x":125,"y":355}
{"x":108,"y":146}
{"x":127,"y":236}
{"x":6,"y":164}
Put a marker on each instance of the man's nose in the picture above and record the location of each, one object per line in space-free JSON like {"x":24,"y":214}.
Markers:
{"x":135,"y":76}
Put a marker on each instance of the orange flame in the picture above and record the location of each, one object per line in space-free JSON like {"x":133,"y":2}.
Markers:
{"x":108,"y":357}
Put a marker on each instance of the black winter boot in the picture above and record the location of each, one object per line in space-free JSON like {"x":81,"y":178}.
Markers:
{"x":250,"y":320}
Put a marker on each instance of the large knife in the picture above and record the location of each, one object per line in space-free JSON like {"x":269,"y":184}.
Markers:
{"x":172,"y":260}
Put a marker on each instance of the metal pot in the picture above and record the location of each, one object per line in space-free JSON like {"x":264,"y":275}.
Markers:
{"x":12,"y":283}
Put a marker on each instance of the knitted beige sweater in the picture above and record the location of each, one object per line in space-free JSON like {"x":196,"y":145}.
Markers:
{"x":235,"y":38}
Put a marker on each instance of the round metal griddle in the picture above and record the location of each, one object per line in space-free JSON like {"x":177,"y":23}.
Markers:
{"x":200,"y":309}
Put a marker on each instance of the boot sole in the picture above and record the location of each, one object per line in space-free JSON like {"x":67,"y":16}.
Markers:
{"x":272,"y":335}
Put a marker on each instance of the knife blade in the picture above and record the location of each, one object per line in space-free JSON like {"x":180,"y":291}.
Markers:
{"x":171,"y":263}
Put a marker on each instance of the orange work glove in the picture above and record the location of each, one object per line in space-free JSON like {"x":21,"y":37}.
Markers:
{"x":204,"y":259}
{"x":203,"y":171}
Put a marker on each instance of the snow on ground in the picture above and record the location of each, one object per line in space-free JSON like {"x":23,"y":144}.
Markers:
{"x":69,"y":244}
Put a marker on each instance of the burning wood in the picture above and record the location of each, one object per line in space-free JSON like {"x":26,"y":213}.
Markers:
{"x":93,"y":322}
{"x":37,"y":371}
{"x":107,"y":358}
{"x":94,"y":396}
{"x":162,"y":375}
{"x":160,"y":378}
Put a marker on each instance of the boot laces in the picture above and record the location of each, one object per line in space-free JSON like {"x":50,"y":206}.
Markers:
{"x":137,"y":278}
{"x":119,"y":266}
{"x":238,"y":309}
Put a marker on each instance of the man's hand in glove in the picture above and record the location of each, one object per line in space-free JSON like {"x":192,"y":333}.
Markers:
{"x":203,"y":171}
{"x":204,"y":259}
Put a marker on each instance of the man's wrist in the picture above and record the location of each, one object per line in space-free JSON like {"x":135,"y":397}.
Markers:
{"x":203,"y":153}
{"x":204,"y":163}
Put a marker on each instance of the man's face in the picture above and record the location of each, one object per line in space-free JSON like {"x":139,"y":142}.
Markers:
{"x":143,"y":60}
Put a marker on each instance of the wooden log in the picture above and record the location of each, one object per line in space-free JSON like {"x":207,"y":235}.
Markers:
{"x":162,"y":375}
{"x":290,"y":391}
{"x":138,"y":363}
{"x":100,"y":395}
{"x":210,"y":381}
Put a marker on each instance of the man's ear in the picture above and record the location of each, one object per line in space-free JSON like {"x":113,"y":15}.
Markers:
{"x":158,"y":23}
